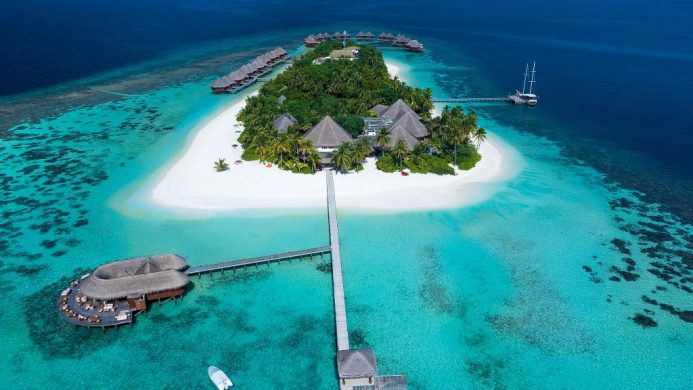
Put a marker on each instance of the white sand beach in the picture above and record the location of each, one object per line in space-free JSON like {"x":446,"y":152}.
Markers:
{"x":191,"y":183}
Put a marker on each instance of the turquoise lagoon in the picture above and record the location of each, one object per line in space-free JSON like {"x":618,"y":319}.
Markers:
{"x":534,"y":287}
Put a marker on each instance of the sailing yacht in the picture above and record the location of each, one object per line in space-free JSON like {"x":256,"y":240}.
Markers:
{"x":529,"y":97}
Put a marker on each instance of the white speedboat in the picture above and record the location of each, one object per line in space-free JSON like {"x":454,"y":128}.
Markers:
{"x":220,"y":380}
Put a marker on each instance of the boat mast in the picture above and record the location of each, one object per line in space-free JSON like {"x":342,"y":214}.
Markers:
{"x":532,"y":81}
{"x":524,"y":83}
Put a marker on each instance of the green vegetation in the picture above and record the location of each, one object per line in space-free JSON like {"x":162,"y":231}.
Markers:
{"x":343,"y":89}
{"x":221,"y":165}
{"x":346,"y":90}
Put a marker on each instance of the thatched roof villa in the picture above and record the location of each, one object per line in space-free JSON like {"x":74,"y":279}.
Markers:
{"x":311,"y":41}
{"x":401,"y":40}
{"x":248,"y":72}
{"x":283,"y":122}
{"x":328,"y":135}
{"x":397,"y":109}
{"x":357,"y":369}
{"x":143,"y":276}
{"x":386,"y":37}
{"x":399,"y":133}
{"x":415,"y":46}
{"x":337,"y":35}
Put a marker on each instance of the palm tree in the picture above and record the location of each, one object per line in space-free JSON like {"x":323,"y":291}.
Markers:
{"x":343,"y":157}
{"x":480,"y":136}
{"x":457,"y":137}
{"x":382,"y":138}
{"x":400,"y":151}
{"x":312,"y":158}
{"x":362,"y":149}
{"x":281,"y":146}
{"x":221,"y":165}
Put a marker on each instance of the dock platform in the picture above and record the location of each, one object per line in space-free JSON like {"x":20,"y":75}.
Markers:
{"x":340,"y":317}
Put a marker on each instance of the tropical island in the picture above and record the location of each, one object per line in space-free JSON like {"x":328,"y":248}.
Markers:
{"x":337,"y":105}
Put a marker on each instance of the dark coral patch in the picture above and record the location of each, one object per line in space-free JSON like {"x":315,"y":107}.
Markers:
{"x":621,"y":245}
{"x":644,"y":321}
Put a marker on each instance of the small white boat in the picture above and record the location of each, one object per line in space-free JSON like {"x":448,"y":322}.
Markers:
{"x":220,"y":380}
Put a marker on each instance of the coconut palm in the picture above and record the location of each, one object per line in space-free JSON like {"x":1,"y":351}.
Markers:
{"x":281,"y":146}
{"x":400,"y":151}
{"x":382,"y":138}
{"x":457,"y":137}
{"x":221,"y":165}
{"x":343,"y":158}
{"x":362,"y":149}
{"x":312,"y":159}
{"x":480,"y":136}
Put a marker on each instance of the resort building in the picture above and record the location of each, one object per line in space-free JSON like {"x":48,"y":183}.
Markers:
{"x":401,"y":40}
{"x":112,"y":294}
{"x":415,"y":46}
{"x":311,"y":41}
{"x":337,"y":35}
{"x":402,"y":122}
{"x":283,"y":122}
{"x":327,"y":136}
{"x":357,"y":370}
{"x":248,"y":73}
{"x":387,"y":37}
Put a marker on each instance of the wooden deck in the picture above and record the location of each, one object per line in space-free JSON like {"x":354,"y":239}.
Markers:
{"x":203,"y":269}
{"x":473,"y":100}
{"x":340,"y":316}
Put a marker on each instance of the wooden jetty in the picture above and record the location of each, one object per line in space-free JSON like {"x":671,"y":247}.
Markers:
{"x":473,"y":100}
{"x":209,"y":268}
{"x":340,"y":317}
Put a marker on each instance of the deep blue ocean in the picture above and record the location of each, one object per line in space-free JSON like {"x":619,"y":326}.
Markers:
{"x":573,"y":273}
{"x":614,"y":76}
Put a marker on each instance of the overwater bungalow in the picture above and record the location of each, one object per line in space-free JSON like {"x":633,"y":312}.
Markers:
{"x":111,"y":294}
{"x":357,"y":369}
{"x":283,"y":122}
{"x":415,"y":46}
{"x":385,"y":37}
{"x":337,"y":35}
{"x":311,"y":41}
{"x":369,"y":35}
{"x":361,"y":35}
{"x":346,"y":35}
{"x":222,"y":85}
{"x":401,"y":40}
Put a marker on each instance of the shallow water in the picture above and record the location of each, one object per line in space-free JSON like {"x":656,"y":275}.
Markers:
{"x":528,"y":289}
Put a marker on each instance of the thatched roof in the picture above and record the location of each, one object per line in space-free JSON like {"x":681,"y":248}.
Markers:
{"x":222,"y":82}
{"x":379,"y":108}
{"x":412,"y":124}
{"x":414,"y":44}
{"x":248,"y":69}
{"x":142,"y":275}
{"x":311,"y":40}
{"x":283,"y":122}
{"x":356,"y":363}
{"x":328,"y":134}
{"x":238,"y":75}
{"x":389,"y":35}
{"x":337,"y":35}
{"x":369,"y":35}
{"x":397,"y":109}
{"x":361,"y":34}
{"x":399,"y":133}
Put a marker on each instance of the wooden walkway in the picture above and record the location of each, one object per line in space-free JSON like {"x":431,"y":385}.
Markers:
{"x":203,"y":269}
{"x":473,"y":100}
{"x":340,"y":317}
